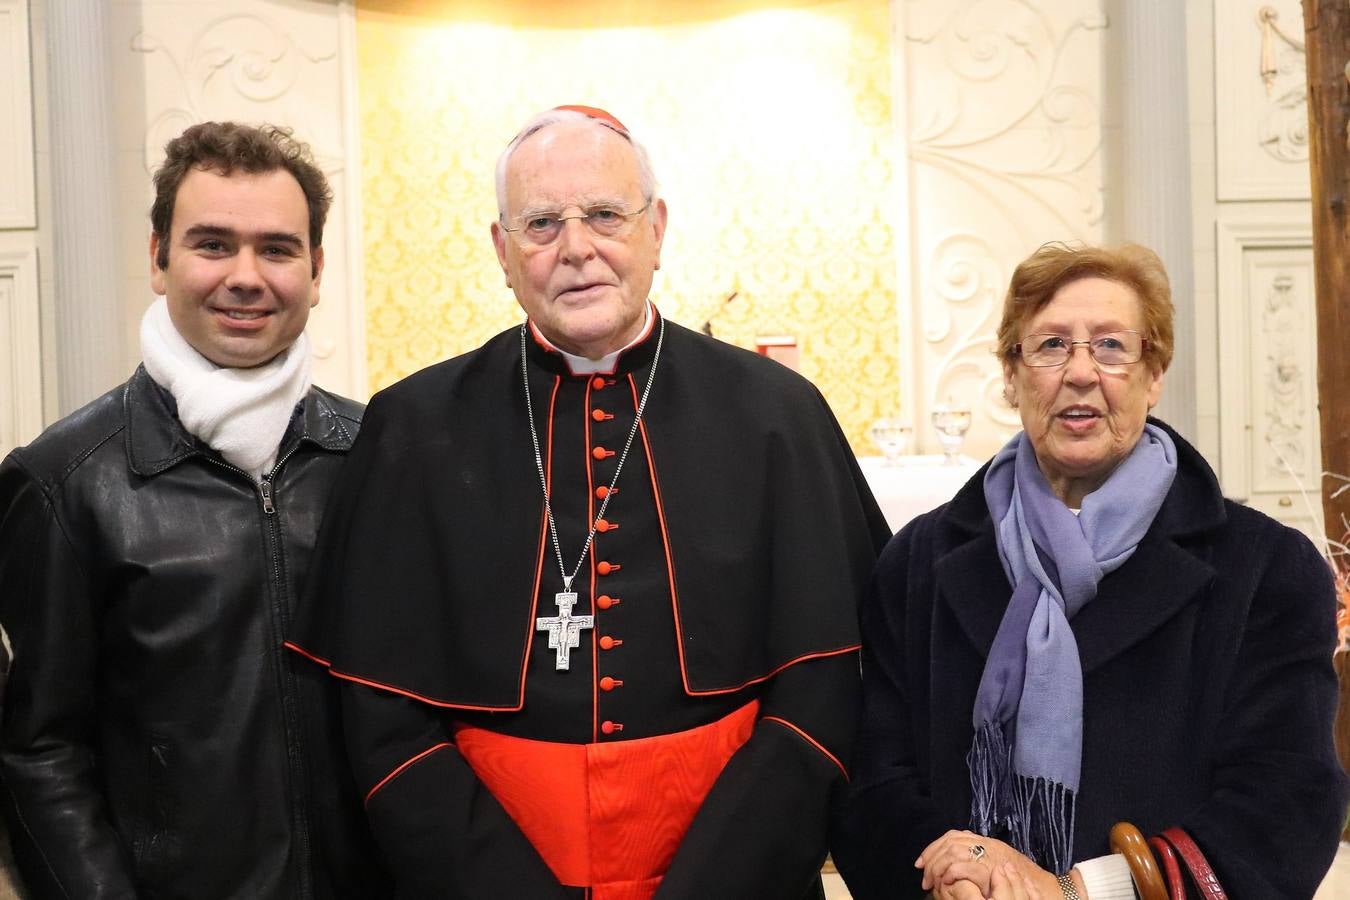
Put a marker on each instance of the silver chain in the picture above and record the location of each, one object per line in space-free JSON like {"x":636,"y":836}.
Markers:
{"x":539,"y":459}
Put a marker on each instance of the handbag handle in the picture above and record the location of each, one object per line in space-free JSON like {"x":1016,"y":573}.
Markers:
{"x":1201,"y":872}
{"x":1129,"y":842}
{"x":1176,"y":884}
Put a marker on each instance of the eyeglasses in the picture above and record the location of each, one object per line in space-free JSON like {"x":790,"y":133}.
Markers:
{"x":539,"y":229}
{"x":1114,"y":348}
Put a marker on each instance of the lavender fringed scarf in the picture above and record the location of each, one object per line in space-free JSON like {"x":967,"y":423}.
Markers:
{"x":1027,"y":754}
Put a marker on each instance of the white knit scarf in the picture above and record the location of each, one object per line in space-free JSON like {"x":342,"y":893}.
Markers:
{"x":241,"y":413}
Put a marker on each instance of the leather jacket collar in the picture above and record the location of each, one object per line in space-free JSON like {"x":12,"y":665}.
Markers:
{"x":156,"y":440}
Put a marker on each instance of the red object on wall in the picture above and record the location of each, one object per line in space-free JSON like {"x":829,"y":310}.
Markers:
{"x":780,"y":348}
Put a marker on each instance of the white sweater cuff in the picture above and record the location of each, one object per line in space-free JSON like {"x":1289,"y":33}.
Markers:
{"x":1107,"y":878}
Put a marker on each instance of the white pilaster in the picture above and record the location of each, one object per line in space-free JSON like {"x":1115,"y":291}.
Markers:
{"x":1151,"y":187}
{"x":90,"y":356}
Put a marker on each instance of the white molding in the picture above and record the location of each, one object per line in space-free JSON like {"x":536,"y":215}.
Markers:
{"x":1204,"y":210}
{"x":20,"y":348}
{"x":18,"y":200}
{"x":1236,"y":239}
{"x":909,"y":347}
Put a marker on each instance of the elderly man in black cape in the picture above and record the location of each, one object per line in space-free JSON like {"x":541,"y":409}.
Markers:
{"x":593,"y":586}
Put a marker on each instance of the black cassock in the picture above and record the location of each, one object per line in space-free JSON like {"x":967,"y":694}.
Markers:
{"x":728,"y":569}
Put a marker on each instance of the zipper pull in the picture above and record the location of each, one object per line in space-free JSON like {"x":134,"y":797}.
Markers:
{"x":266,"y":487}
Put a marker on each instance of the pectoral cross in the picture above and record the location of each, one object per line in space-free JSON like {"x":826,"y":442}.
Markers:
{"x":564,"y":629}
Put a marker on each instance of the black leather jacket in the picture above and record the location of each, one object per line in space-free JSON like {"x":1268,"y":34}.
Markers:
{"x":158,"y":741}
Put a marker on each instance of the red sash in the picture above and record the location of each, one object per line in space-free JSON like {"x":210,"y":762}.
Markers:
{"x":607,"y":816}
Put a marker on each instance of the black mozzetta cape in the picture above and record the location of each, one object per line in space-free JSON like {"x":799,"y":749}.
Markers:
{"x":736,"y":550}
{"x":436,"y":541}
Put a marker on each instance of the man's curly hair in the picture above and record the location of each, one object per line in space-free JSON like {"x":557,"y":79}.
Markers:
{"x":224,"y":147}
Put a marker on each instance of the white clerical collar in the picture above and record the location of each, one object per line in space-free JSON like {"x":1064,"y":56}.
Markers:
{"x":607,"y":364}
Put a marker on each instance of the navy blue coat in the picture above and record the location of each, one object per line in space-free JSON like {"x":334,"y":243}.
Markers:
{"x":1209,"y":693}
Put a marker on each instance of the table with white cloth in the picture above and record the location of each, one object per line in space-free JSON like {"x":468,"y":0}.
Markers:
{"x":914,"y":484}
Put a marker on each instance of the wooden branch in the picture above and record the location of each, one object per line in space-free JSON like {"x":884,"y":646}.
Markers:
{"x":1328,"y":50}
{"x":1327,"y":31}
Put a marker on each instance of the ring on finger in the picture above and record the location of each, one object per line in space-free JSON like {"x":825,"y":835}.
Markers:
{"x":977,"y":852}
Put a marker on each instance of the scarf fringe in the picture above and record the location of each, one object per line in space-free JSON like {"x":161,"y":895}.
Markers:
{"x":1036,"y":814}
{"x":1043,"y":817}
{"x":990,"y":763}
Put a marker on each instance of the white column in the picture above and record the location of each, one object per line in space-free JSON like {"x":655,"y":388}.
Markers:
{"x":87,"y":271}
{"x":1150,"y":183}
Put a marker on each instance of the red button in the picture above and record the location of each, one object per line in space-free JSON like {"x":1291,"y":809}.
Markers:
{"x":603,"y":525}
{"x":609,"y":684}
{"x":609,"y":727}
{"x":600,"y":415}
{"x":597,"y":382}
{"x":604,"y":568}
{"x":601,"y":453}
{"x":605,"y":601}
{"x":609,"y":643}
{"x":602,"y":492}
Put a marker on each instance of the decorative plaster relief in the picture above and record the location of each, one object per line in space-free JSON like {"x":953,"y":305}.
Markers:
{"x":263,"y":62}
{"x":1282,"y":444}
{"x":1284,"y":350}
{"x":1005,"y":137}
{"x":244,"y":63}
{"x":1261,"y":100}
{"x":1284,"y":130}
{"x":18,"y":205}
{"x":20,"y":340}
{"x":1269,"y":444}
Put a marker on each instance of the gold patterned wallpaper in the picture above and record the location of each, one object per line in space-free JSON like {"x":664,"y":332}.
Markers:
{"x":769,"y":126}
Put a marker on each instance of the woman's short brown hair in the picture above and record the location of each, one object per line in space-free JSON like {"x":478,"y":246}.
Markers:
{"x":1039,"y":276}
{"x":224,"y":147}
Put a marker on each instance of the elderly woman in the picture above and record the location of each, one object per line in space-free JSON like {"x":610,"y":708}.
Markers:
{"x":1089,"y":632}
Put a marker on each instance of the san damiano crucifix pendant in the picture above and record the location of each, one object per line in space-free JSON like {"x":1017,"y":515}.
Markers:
{"x":564,"y":629}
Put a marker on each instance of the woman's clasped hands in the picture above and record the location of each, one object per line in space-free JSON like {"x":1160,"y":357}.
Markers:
{"x":963,"y":865}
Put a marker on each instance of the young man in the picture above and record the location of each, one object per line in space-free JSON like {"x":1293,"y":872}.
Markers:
{"x":157,"y":740}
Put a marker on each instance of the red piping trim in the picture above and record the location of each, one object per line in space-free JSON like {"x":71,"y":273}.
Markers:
{"x":444,"y":704}
{"x":394,"y":774}
{"x":590,"y":510}
{"x":810,"y":740}
{"x":670,"y":572}
{"x":543,"y":542}
{"x":646,"y":329}
{"x":447,"y":705}
{"x":645,"y":333}
{"x":815,"y":654}
{"x":306,"y":654}
{"x":665,"y":542}
{"x":635,"y":342}
{"x":542,"y":341}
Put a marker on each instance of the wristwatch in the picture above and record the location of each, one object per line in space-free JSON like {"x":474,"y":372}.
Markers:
{"x":1066,"y":886}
